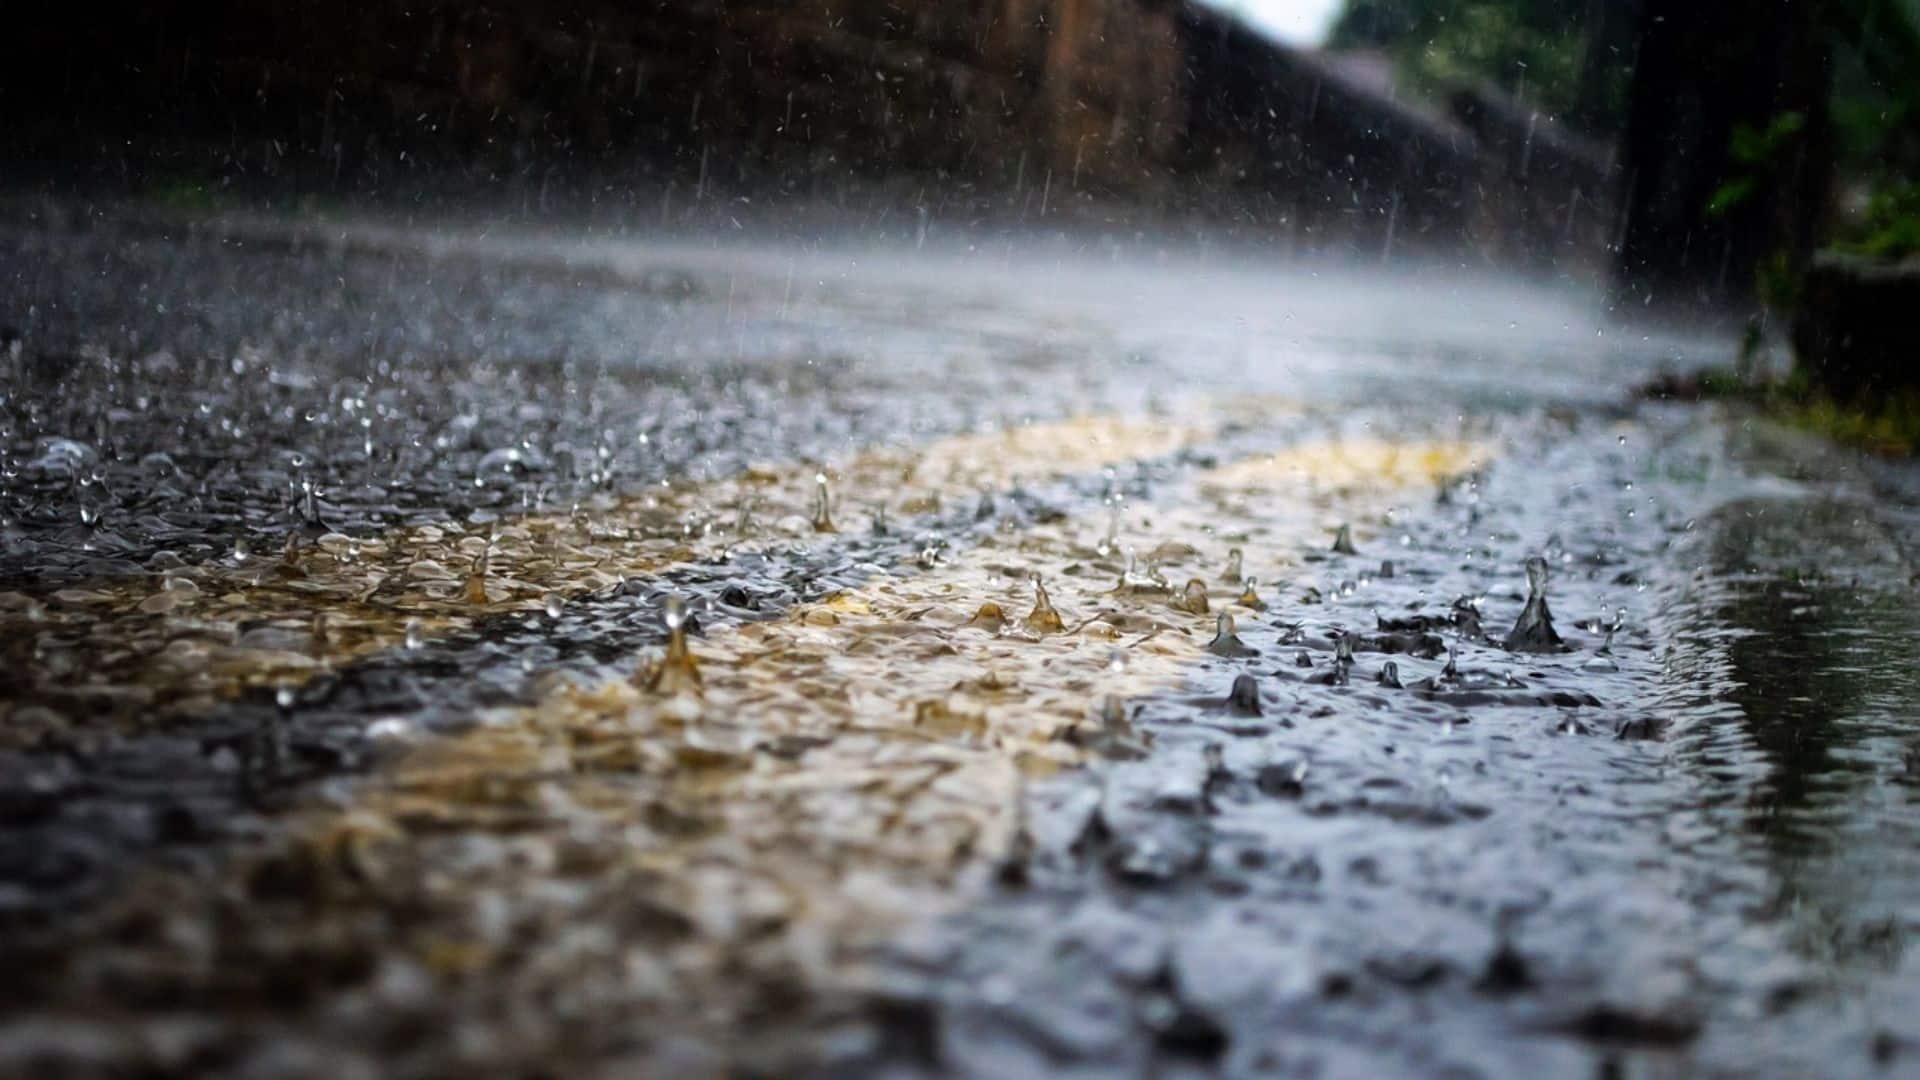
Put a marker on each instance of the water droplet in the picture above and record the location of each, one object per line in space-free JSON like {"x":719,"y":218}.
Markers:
{"x":1043,"y":619}
{"x":1226,"y":642}
{"x":1193,"y":599}
{"x":416,"y":634}
{"x":554,"y":604}
{"x":1389,"y":676}
{"x":1231,"y":575}
{"x":1111,"y":542}
{"x":676,"y":672}
{"x":1243,"y":698}
{"x":476,"y":588}
{"x":822,"y":505}
{"x":1117,"y":661}
{"x":1343,"y":540}
{"x":1250,"y":596}
{"x":1533,"y":631}
{"x":989,"y":617}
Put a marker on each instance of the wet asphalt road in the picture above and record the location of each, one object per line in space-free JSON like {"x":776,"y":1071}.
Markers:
{"x":260,"y":810}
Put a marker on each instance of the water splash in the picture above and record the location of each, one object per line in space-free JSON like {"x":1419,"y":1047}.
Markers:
{"x":1193,"y":599}
{"x":676,"y":672}
{"x":1231,"y":575}
{"x":1533,"y":632}
{"x":1226,"y":642}
{"x":1243,"y":698}
{"x":822,"y":505}
{"x":1043,"y":619}
{"x":476,"y":586}
{"x":990,"y":617}
{"x":1250,"y":596}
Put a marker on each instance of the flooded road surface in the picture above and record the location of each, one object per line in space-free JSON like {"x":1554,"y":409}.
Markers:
{"x":434,"y":650}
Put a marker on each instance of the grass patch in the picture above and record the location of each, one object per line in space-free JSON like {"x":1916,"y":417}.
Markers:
{"x":1889,"y":426}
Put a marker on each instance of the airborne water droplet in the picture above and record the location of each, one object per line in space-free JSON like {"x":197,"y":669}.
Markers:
{"x":1111,"y":542}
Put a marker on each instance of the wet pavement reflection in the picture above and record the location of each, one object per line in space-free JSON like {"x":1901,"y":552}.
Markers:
{"x":429,"y":652}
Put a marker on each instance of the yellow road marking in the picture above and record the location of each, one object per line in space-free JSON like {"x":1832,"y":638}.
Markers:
{"x":128,"y":650}
{"x":836,"y":777}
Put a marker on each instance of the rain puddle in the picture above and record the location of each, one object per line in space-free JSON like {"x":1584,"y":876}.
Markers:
{"x":1674,"y":833}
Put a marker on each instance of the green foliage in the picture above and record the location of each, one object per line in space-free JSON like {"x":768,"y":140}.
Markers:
{"x":1890,"y":229}
{"x":1889,"y":426}
{"x":1757,"y":153}
{"x":1533,"y":48}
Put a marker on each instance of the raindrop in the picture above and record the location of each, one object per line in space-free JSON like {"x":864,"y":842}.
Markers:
{"x":1193,"y":599}
{"x":476,"y":588}
{"x":1250,"y":596}
{"x":1232,"y":573}
{"x":1133,"y":581}
{"x":416,"y":634}
{"x":1043,"y":619}
{"x":1343,"y":541}
{"x":1227,"y":643}
{"x":554,"y":604}
{"x":1389,"y":676}
{"x":1243,"y":698}
{"x":676,"y":672}
{"x":990,"y":618}
{"x":822,"y":500}
{"x":1111,"y":542}
{"x":1534,"y":632}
